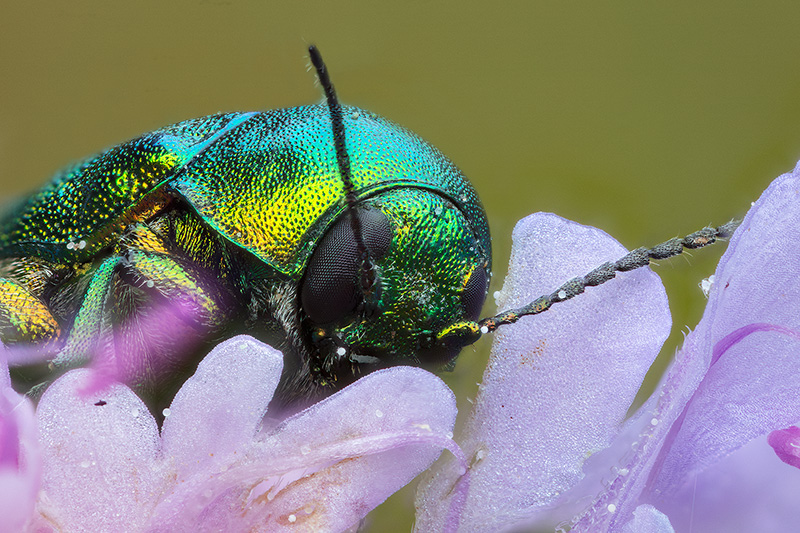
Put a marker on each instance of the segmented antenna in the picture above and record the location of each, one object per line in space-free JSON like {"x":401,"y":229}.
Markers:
{"x":343,"y":160}
{"x":640,"y":257}
{"x":468,"y":332}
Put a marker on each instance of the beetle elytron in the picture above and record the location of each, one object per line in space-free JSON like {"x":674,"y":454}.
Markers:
{"x":240,"y":222}
{"x":327,"y":231}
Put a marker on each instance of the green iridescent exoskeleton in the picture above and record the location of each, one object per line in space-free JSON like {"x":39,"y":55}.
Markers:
{"x":141,"y":256}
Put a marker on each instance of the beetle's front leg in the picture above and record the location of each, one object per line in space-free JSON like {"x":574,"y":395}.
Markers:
{"x":141,"y":313}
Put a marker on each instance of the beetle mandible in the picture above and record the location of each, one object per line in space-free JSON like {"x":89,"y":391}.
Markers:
{"x":344,"y":240}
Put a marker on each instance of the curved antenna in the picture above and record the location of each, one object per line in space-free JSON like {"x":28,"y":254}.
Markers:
{"x":343,"y":160}
{"x":470,"y":332}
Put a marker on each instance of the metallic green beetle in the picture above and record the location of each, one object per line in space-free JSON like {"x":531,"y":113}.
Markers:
{"x":145,"y":253}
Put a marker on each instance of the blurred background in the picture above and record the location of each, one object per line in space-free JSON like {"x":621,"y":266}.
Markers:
{"x":649,"y":120}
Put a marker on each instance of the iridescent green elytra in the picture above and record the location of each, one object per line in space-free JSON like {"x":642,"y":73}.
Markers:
{"x":142,"y":255}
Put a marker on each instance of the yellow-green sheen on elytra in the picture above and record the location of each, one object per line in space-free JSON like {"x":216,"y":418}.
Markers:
{"x":207,"y":228}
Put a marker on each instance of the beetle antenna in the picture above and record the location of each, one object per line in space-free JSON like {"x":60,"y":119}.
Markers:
{"x":343,"y":160}
{"x":469,"y":332}
{"x":638,"y":258}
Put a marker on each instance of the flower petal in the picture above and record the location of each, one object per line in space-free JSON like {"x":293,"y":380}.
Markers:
{"x":749,"y":490}
{"x":99,"y":457}
{"x":20,"y":456}
{"x":219,"y":409}
{"x":326,"y":467}
{"x":753,"y":382}
{"x":735,"y":378}
{"x":558,"y":385}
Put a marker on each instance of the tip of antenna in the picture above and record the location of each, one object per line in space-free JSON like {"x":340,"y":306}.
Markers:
{"x":316,"y":57}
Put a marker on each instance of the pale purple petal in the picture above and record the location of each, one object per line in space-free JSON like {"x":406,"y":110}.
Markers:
{"x":99,"y":457}
{"x":737,"y":376}
{"x":20,"y":457}
{"x":326,"y":467}
{"x":220,"y":408}
{"x":749,"y":490}
{"x":558,"y":385}
{"x":751,"y":388}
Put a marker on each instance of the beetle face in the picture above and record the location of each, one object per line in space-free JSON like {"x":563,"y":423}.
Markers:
{"x":429,"y":271}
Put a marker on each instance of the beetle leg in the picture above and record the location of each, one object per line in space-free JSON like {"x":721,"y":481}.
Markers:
{"x":24,"y":318}
{"x":141,"y":309}
{"x":91,"y":325}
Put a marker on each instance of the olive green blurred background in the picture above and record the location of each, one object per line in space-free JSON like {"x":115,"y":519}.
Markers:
{"x":649,"y":120}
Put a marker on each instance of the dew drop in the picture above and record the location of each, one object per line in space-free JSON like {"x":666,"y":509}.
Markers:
{"x":82,"y":244}
{"x":292,"y":518}
{"x":654,"y":422}
{"x":562,"y":294}
{"x":356,"y":115}
{"x":484,"y":330}
{"x":611,"y":508}
{"x":304,"y":449}
{"x":378,"y":413}
{"x":86,"y":463}
{"x":340,"y":351}
{"x":150,"y":284}
{"x":166,"y":412}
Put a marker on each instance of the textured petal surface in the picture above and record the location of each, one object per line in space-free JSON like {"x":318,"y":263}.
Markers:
{"x":220,"y":408}
{"x":325,"y":468}
{"x":99,"y":457}
{"x":558,"y":385}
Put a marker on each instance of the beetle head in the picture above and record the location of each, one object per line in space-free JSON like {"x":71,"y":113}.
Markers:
{"x":426,"y":272}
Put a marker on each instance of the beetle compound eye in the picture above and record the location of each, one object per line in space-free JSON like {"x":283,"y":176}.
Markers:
{"x":475,"y":293}
{"x":332,"y":288}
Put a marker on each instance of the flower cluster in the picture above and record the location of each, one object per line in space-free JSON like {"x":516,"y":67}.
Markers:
{"x":546,"y":443}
